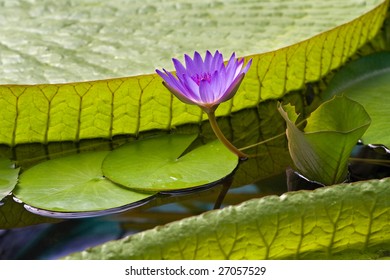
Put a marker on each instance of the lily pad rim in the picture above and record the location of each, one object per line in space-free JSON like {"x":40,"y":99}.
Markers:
{"x":86,"y":214}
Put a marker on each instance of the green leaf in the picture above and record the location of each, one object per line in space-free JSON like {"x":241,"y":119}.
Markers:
{"x":321,"y":152}
{"x":156,"y":164}
{"x":303,"y":49}
{"x":367,"y":81}
{"x":118,"y":38}
{"x":77,"y":183}
{"x":73,"y":184}
{"x":343,"y":221}
{"x":8,"y":177}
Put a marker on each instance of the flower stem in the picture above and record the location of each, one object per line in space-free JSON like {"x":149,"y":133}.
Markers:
{"x":222,"y":138}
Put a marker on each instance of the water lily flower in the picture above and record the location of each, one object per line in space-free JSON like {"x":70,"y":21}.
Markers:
{"x":205,"y":83}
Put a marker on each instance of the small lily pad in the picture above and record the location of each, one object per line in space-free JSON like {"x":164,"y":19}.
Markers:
{"x":156,"y":164}
{"x":321,"y":151}
{"x":8,"y":177}
{"x":72,"y":184}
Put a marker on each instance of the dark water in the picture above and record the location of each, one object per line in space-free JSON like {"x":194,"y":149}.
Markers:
{"x":64,"y":236}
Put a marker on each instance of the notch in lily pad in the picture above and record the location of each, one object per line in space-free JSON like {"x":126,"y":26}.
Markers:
{"x":8,"y":177}
{"x":158,"y":164}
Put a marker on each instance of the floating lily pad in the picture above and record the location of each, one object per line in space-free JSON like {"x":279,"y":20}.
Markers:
{"x":156,"y":164}
{"x":74,"y":183}
{"x":8,"y":177}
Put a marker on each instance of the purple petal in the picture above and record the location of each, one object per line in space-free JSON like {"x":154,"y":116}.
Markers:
{"x":221,"y":67}
{"x":218,"y":83}
{"x":180,"y":69}
{"x":178,"y":94}
{"x":216,"y":62}
{"x":192,"y":87}
{"x":206,"y":92}
{"x":240,"y":63}
{"x":248,"y":65}
{"x":231,"y":91}
{"x":162,"y":75}
{"x":190,"y":66}
{"x":232,"y":60}
{"x":198,"y":61}
{"x":175,"y":83}
{"x":171,"y":79}
{"x":207,"y":61}
{"x":231,"y":70}
{"x":167,"y":76}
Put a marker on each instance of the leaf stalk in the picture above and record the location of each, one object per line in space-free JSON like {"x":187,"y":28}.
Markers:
{"x":221,"y":136}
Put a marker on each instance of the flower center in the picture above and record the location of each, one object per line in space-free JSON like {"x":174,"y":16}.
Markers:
{"x":201,"y":77}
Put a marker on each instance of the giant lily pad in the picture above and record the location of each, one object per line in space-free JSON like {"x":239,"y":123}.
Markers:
{"x":347,"y":221}
{"x":322,"y":150}
{"x":156,"y":164}
{"x":73,"y":184}
{"x":100,"y":39}
{"x":291,"y":43}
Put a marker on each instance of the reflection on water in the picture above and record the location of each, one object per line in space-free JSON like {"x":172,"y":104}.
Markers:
{"x":54,"y":240}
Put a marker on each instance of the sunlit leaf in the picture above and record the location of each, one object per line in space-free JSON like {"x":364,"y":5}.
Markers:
{"x":105,"y":108}
{"x":367,"y":81}
{"x":321,"y":151}
{"x":116,"y":38}
{"x":72,"y":184}
{"x":157,"y":164}
{"x":8,"y":177}
{"x":345,"y":221}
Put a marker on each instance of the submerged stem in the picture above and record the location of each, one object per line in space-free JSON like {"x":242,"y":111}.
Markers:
{"x":222,"y":138}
